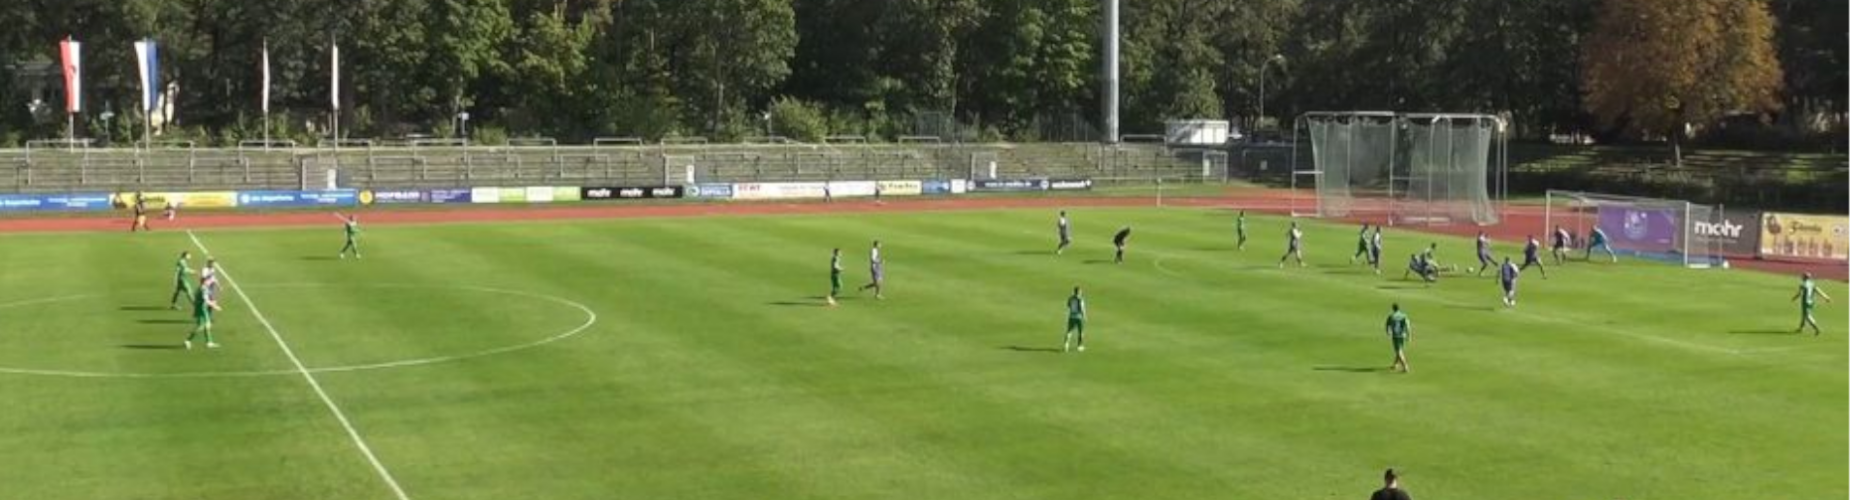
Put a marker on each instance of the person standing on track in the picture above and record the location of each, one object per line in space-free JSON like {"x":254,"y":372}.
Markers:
{"x":353,"y":237}
{"x":141,"y":215}
{"x":1066,"y":234}
{"x":834,"y":275}
{"x":1532,"y":256}
{"x":1294,"y":246}
{"x":182,"y":286}
{"x":1808,"y":300}
{"x":1399,"y":330}
{"x":1239,"y":229}
{"x":876,"y":268}
{"x":1118,"y":241}
{"x":1075,"y":322}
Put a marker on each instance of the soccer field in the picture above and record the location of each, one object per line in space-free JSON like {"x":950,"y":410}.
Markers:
{"x":692,"y":358}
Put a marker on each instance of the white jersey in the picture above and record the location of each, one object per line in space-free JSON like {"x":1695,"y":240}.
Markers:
{"x":873,"y":256}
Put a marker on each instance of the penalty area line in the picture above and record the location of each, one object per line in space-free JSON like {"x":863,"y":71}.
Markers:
{"x":307,"y":376}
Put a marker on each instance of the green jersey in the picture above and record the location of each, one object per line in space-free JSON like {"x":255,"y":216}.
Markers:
{"x":1075,"y":307}
{"x":180,"y":271}
{"x":1240,"y":224}
{"x":1808,"y":294}
{"x":353,"y":229}
{"x":835,"y":265}
{"x":1398,"y":326}
{"x":202,"y":304}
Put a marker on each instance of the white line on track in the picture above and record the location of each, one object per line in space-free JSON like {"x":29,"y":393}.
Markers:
{"x":307,"y":376}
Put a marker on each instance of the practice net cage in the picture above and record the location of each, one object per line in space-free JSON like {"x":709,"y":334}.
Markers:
{"x":1650,"y":228}
{"x":1406,"y":168}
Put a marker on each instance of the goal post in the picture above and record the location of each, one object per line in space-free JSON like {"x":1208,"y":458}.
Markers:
{"x":1649,"y":228}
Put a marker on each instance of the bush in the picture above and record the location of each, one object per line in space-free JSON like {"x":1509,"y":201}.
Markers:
{"x":488,"y":136}
{"x":798,"y":120}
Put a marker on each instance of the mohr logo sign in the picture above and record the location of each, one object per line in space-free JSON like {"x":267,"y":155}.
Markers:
{"x":1725,"y":228}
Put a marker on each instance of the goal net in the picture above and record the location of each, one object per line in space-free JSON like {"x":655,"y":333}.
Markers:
{"x":1650,"y":228}
{"x":1405,"y":168}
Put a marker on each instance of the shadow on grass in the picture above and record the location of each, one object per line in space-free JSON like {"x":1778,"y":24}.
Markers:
{"x":1034,"y":252}
{"x":152,"y":346}
{"x":142,"y":308}
{"x":1098,"y":261}
{"x":1764,"y":332}
{"x":1018,"y":348}
{"x":1471,"y":308}
{"x":1351,"y":369}
{"x":164,"y":321}
{"x":1402,"y":287}
{"x":319,"y":257}
{"x":806,"y":302}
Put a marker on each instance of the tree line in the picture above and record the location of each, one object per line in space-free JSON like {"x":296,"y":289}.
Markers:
{"x":958,"y":69}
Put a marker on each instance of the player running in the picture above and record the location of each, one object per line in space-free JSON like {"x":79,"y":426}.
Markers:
{"x":1239,"y":229}
{"x":1532,"y":256}
{"x":1118,"y":240}
{"x":1484,"y":259}
{"x":1361,"y":245}
{"x":875,"y":269}
{"x":141,"y":215}
{"x":1563,"y":241}
{"x":182,"y":287}
{"x":834,"y":275}
{"x":1506,"y":276}
{"x":1374,"y":250}
{"x":1294,"y":246}
{"x":353,"y":237}
{"x":1066,"y":234}
{"x":1808,"y":300}
{"x":1597,"y":239}
{"x":1075,"y":322}
{"x":1399,"y":330}
{"x":204,"y":303}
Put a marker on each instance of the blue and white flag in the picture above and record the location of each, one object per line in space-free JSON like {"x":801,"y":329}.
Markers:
{"x":150,"y":74}
{"x":266,"y":77}
{"x":334,"y":88}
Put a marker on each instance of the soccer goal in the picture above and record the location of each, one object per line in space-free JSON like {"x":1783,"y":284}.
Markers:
{"x":1651,"y":228}
{"x":1418,"y":168}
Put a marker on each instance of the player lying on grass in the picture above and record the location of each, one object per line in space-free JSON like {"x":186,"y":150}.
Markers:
{"x":1075,"y":322}
{"x":1563,"y":240}
{"x":1399,"y":330}
{"x":1808,"y":300}
{"x":1294,"y":246}
{"x":1066,"y":234}
{"x":1531,"y":256}
{"x":182,"y":286}
{"x":1506,"y":276}
{"x":876,"y":269}
{"x":1424,"y":264}
{"x":204,"y":303}
{"x":1596,"y":240}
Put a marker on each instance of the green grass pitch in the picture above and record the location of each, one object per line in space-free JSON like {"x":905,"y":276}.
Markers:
{"x":711,"y":370}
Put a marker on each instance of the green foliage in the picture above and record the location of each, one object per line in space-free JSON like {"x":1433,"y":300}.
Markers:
{"x":798,"y":120}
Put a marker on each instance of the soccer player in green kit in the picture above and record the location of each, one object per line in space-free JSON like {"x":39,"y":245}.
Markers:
{"x":1808,"y":300}
{"x":182,"y":287}
{"x":203,"y":305}
{"x":1075,"y":322}
{"x":1399,"y":330}
{"x":1361,"y":245}
{"x":834,"y":275}
{"x":353,"y":237}
{"x":1239,"y":228}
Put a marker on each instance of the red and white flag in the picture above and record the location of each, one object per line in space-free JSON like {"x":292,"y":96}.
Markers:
{"x":71,"y":53}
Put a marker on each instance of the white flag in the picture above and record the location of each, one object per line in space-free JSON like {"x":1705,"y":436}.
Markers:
{"x":149,"y":66}
{"x":266,"y":77}
{"x":334,"y":90}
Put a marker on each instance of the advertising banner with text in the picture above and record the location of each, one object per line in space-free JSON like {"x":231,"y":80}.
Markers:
{"x":1805,"y":236}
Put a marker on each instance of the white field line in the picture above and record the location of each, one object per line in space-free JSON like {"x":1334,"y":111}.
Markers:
{"x":307,"y":376}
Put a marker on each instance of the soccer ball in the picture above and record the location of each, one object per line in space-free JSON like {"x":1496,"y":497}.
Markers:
{"x":1470,"y":269}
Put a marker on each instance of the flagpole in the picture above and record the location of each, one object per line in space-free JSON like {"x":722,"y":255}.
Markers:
{"x":70,"y":131}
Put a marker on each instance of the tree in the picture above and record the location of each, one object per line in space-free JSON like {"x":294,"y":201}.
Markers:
{"x":1657,"y":66}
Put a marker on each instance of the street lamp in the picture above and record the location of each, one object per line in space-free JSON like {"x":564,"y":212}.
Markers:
{"x":1278,"y":58}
